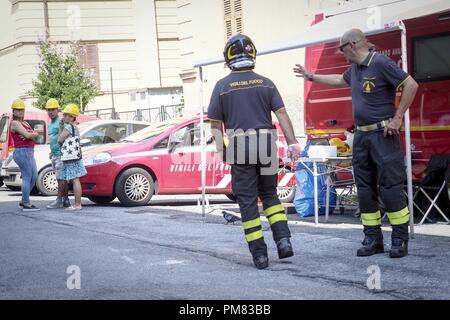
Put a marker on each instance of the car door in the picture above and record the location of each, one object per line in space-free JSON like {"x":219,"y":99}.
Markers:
{"x":181,"y":166}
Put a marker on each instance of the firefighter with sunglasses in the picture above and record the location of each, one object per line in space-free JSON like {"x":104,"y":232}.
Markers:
{"x":378,"y":162}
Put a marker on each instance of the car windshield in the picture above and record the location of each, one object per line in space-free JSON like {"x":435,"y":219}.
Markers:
{"x":152,"y":130}
{"x":83,"y":125}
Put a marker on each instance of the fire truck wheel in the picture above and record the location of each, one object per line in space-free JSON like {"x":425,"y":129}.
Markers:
{"x":134,"y":187}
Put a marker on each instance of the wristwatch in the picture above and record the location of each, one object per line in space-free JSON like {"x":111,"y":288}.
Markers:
{"x":310,"y":77}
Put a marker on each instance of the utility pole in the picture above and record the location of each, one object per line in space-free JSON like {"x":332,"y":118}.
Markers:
{"x":112,"y":93}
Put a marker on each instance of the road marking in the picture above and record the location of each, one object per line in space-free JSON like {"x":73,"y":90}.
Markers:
{"x":169,"y":262}
{"x":123,"y":257}
{"x":281,"y":293}
{"x":128,"y":259}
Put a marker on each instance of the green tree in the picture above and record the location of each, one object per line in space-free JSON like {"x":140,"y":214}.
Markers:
{"x":61,"y":76}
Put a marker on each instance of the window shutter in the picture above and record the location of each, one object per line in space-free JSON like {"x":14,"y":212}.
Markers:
{"x":232,"y":17}
{"x":89,"y":61}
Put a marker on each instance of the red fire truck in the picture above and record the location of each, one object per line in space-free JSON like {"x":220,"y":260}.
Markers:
{"x":328,"y":111}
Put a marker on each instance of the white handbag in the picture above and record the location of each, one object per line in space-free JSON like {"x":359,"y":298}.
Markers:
{"x":71,"y":149}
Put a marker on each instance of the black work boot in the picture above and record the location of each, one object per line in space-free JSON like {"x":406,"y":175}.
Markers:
{"x":400,"y":237}
{"x":284,"y":248}
{"x":261,"y":261}
{"x":372,"y":243}
{"x":399,"y":248}
{"x":370,"y":247}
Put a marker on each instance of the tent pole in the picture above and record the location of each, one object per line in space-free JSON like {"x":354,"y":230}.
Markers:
{"x":407,"y":137}
{"x":202,"y":141}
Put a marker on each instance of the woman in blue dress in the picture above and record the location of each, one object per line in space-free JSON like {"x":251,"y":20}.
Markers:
{"x":72,"y":169}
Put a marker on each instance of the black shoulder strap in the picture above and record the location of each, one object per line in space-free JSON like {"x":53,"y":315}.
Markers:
{"x":73,"y":130}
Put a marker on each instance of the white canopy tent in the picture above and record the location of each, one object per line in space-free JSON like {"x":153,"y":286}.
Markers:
{"x":384,"y":16}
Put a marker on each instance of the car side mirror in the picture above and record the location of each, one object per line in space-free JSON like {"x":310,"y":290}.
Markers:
{"x":85,"y":142}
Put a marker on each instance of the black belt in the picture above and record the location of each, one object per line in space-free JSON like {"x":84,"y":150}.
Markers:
{"x":375,"y":126}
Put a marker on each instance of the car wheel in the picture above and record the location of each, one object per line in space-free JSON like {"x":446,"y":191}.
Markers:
{"x":101,"y":200}
{"x":286,"y":195}
{"x":134,"y":187}
{"x":1,"y":182}
{"x":46,"y":182}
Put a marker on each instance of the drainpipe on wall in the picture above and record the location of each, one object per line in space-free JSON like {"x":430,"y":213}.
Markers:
{"x":46,"y":23}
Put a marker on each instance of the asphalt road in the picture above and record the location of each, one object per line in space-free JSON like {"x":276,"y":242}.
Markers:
{"x":167,"y":250}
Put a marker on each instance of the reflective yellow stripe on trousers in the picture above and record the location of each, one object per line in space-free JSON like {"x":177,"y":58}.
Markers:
{"x":371,"y":219}
{"x":275,"y":213}
{"x":254,"y":235}
{"x":399,"y":217}
{"x":252,"y":223}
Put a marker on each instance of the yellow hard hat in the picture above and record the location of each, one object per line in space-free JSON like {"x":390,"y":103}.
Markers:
{"x":18,"y":104}
{"x":72,"y":109}
{"x":52,"y":104}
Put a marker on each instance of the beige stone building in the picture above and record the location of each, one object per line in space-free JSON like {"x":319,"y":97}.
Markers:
{"x":136,"y":39}
{"x":151,"y":46}
{"x":206,"y":25}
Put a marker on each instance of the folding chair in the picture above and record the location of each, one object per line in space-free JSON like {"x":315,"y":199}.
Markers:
{"x":346,"y":196}
{"x":433,"y":189}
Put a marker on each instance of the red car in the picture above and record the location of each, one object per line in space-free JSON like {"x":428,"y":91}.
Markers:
{"x":153,"y":161}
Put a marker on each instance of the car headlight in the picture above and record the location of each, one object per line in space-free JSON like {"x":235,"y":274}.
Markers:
{"x":97,"y":159}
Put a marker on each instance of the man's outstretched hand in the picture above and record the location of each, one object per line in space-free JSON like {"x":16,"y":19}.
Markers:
{"x":301,"y":72}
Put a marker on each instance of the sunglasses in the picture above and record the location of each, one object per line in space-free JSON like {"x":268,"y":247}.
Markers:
{"x":342,"y":46}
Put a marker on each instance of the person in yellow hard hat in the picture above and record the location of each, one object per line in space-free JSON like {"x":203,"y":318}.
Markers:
{"x":71,"y":157}
{"x":23,"y":137}
{"x":62,"y":200}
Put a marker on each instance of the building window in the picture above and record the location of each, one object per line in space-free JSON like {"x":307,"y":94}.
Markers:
{"x":89,"y":61}
{"x":233,"y":17}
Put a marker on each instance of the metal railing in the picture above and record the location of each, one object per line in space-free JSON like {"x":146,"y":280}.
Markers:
{"x":156,"y":114}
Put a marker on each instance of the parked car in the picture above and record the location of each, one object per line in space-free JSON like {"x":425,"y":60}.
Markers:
{"x":149,"y":162}
{"x":38,"y":119}
{"x":92,"y":133}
